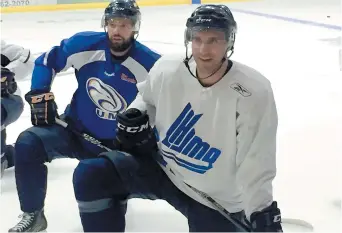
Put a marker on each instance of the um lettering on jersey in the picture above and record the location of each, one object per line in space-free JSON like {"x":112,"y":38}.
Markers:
{"x":185,"y":147}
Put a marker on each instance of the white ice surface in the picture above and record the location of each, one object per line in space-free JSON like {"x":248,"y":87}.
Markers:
{"x":307,"y":83}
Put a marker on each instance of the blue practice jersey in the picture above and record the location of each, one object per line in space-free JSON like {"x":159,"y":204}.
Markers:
{"x":106,"y":86}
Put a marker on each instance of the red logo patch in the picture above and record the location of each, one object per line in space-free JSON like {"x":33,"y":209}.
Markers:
{"x":126,"y":78}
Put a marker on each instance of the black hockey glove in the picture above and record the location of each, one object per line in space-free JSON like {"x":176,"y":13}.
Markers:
{"x":43,"y":107}
{"x":8,"y":83}
{"x":267,"y":220}
{"x":134,"y":134}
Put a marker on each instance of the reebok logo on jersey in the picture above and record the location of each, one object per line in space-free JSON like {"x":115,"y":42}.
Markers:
{"x":109,"y":75}
{"x":240,"y":89}
{"x":187,"y":149}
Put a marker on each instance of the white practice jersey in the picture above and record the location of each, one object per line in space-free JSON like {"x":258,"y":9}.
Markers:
{"x":219,"y":139}
{"x":18,"y":59}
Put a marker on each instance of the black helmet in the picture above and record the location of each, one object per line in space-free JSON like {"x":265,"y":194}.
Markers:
{"x":123,"y":9}
{"x":212,"y":16}
{"x":6,"y":73}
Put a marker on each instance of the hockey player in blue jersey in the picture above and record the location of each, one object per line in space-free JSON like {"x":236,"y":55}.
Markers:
{"x":108,"y":67}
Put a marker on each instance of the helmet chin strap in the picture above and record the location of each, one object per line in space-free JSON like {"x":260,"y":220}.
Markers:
{"x":187,"y":59}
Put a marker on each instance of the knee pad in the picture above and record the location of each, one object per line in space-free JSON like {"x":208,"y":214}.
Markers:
{"x":135,"y":171}
{"x":129,"y":166}
{"x":96,"y":178}
{"x":29,"y":149}
{"x":122,"y":162}
{"x":90,"y":171}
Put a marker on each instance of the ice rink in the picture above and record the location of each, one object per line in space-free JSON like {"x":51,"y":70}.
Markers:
{"x":300,"y":57}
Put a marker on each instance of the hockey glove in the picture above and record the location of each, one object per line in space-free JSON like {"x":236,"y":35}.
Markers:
{"x":43,"y":107}
{"x":134,"y":134}
{"x":8,"y":83}
{"x":267,"y":220}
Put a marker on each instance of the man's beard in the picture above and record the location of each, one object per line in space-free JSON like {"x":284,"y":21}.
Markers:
{"x":122,"y":46}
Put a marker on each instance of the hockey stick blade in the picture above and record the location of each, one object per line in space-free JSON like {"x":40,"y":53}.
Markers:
{"x":85,"y":136}
{"x":299,"y":223}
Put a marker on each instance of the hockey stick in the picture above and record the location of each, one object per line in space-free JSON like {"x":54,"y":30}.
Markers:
{"x":292,"y":221}
{"x":217,"y":206}
{"x":238,"y":223}
{"x":85,"y":136}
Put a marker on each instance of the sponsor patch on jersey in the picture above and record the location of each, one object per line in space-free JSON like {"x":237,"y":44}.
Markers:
{"x":108,"y":101}
{"x":126,"y":78}
{"x":240,"y":89}
{"x":186,"y":148}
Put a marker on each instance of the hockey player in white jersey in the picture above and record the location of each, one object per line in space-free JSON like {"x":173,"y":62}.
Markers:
{"x":16,"y":64}
{"x":17,"y":59}
{"x":216,"y":121}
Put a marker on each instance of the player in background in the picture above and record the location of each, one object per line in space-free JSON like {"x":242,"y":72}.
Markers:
{"x":108,"y":66}
{"x":16,"y":64}
{"x":216,"y":120}
{"x":12,"y":107}
{"x":17,"y":59}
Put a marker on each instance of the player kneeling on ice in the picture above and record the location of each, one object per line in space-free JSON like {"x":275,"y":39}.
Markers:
{"x":16,"y":64}
{"x":216,"y":157}
{"x":108,"y":65}
{"x":11,"y":108}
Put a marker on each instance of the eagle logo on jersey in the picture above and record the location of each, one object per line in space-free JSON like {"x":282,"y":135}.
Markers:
{"x":187,"y":149}
{"x":109,"y":102}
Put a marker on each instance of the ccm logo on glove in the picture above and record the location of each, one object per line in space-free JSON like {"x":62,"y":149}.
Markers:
{"x":38,"y":98}
{"x":136,"y":129}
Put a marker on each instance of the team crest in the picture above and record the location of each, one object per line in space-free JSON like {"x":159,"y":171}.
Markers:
{"x":109,"y":102}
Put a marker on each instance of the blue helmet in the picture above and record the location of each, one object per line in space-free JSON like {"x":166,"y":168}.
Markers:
{"x":212,"y":17}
